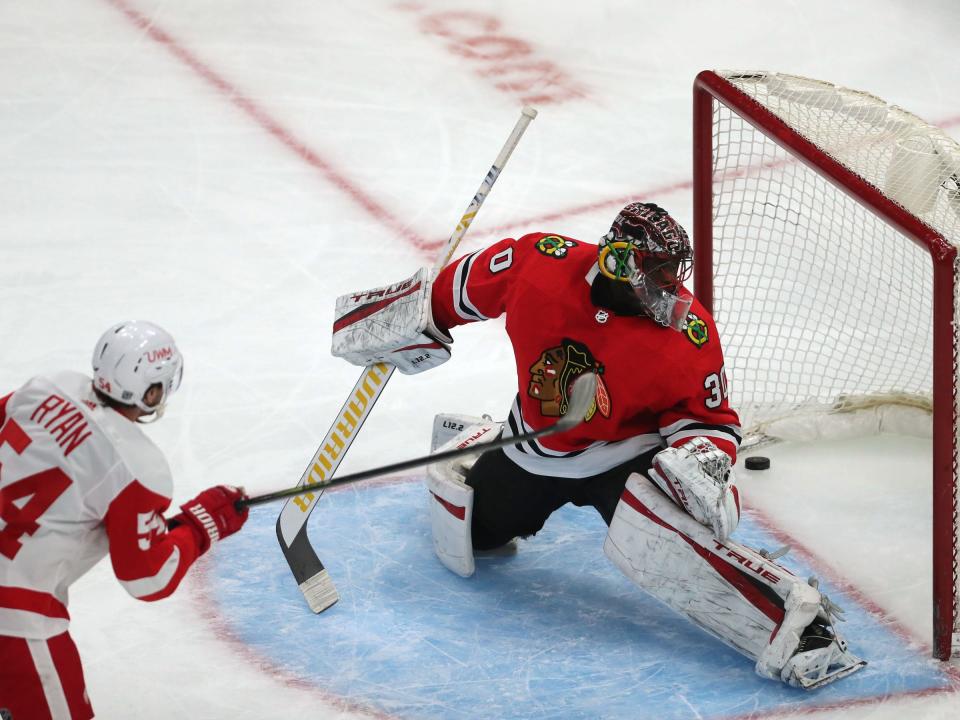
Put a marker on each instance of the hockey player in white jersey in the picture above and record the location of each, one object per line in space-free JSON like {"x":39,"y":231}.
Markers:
{"x":80,"y":480}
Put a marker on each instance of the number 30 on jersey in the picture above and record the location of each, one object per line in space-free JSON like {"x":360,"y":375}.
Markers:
{"x":716,"y":386}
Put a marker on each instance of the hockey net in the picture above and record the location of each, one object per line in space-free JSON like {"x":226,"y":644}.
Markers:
{"x":826,"y":227}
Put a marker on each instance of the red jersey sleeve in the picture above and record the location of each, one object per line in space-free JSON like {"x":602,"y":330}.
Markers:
{"x":148,"y":559}
{"x":3,"y":408}
{"x":704,"y":408}
{"x":475,"y":286}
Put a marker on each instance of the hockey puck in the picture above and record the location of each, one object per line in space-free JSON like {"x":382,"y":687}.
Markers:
{"x":757,"y":462}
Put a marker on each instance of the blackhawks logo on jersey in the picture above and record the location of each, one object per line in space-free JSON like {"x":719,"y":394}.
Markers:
{"x":696,"y":330}
{"x":554,"y":246}
{"x":552,"y":376}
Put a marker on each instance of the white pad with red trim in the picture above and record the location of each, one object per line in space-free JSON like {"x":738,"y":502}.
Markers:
{"x":451,"y":499}
{"x":746,"y":600}
{"x":391,"y":324}
{"x":697,"y":476}
{"x":447,"y":426}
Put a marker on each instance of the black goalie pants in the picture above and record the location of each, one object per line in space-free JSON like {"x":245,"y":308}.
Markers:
{"x":510,"y":502}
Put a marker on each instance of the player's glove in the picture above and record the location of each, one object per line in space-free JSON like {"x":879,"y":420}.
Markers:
{"x":213,"y":515}
{"x":697,"y":477}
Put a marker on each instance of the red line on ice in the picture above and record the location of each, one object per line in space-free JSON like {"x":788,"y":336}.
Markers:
{"x":209,"y":609}
{"x":339,"y":179}
{"x":537,"y":222}
{"x":262,"y":118}
{"x":842,"y":705}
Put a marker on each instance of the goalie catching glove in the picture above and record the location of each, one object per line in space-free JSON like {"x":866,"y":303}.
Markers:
{"x":392,"y":324}
{"x":697,"y":477}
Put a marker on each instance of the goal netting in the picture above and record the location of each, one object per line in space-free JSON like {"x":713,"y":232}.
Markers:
{"x":826,"y":228}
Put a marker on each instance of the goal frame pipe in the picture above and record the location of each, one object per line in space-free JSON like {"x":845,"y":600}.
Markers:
{"x":709,"y":87}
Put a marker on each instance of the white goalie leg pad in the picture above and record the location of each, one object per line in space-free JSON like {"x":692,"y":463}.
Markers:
{"x":698,"y":477}
{"x":447,"y":426}
{"x":451,"y":512}
{"x":451,"y":499}
{"x":741,"y":597}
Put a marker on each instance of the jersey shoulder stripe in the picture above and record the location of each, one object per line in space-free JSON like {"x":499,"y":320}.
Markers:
{"x":688,"y":428}
{"x":461,"y":295}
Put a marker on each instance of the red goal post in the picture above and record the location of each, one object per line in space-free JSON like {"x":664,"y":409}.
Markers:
{"x":826,"y":227}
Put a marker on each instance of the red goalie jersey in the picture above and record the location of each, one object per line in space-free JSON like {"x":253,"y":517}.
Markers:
{"x":78,"y":480}
{"x":657,"y":386}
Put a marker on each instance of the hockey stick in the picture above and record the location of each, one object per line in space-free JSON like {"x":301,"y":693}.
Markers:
{"x":581,"y":397}
{"x":317,"y":587}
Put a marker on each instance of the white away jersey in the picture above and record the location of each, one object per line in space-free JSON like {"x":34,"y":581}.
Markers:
{"x":78,"y":480}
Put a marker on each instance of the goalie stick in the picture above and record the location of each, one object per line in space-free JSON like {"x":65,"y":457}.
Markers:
{"x":582,"y":395}
{"x":314,"y":581}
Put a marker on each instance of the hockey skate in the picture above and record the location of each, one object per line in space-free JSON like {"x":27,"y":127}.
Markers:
{"x":821,"y":656}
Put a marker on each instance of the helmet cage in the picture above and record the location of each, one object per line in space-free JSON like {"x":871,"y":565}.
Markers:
{"x":646,"y":247}
{"x":668,"y":272}
{"x":663,"y":306}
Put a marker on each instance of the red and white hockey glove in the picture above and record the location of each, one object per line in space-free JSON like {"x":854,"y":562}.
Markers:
{"x":697,"y":477}
{"x":213,"y":514}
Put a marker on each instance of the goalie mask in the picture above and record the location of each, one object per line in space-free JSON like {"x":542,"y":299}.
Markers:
{"x":648,"y":249}
{"x":131,"y":357}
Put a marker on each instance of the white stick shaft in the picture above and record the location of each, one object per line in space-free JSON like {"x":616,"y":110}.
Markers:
{"x":373,"y":378}
{"x":526,"y":115}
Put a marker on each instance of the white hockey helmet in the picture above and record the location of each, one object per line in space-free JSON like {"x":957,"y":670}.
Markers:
{"x":133,"y":355}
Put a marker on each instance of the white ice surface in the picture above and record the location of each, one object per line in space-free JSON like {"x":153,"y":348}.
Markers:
{"x":227,"y":169}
